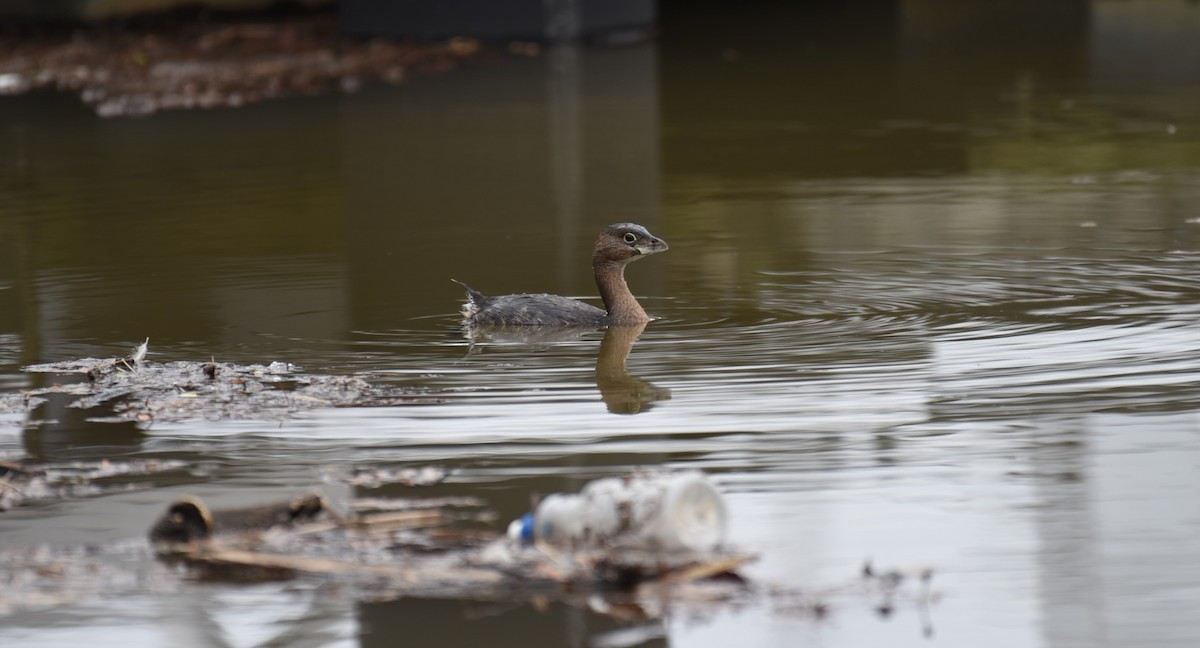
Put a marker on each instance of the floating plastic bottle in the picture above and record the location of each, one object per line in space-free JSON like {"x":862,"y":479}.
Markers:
{"x":665,"y":511}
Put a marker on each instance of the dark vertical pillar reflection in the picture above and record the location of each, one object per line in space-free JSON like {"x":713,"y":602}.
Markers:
{"x":18,"y":305}
{"x":69,"y":435}
{"x":566,"y":146}
{"x":498,"y":175}
{"x":11,"y":315}
{"x":454,"y":623}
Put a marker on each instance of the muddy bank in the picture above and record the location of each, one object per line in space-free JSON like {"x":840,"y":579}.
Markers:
{"x":141,"y":70}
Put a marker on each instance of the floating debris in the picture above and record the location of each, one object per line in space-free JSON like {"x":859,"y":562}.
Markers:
{"x":16,"y":481}
{"x":44,"y":577}
{"x":214,"y":63}
{"x":414,"y":553}
{"x":426,"y":476}
{"x":428,"y":553}
{"x":190,"y":520}
{"x":664,"y":511}
{"x":885,"y":591}
{"x":361,"y":504}
{"x":22,"y":483}
{"x":18,"y":403}
{"x":140,"y":391}
{"x":444,"y":548}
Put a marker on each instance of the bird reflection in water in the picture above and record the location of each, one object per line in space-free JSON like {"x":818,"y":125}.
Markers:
{"x":622,"y":393}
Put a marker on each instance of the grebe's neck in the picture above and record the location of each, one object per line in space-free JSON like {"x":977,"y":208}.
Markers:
{"x":620,"y":303}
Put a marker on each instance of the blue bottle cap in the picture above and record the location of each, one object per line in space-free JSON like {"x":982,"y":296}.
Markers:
{"x":521,"y":529}
{"x":527,"y":528}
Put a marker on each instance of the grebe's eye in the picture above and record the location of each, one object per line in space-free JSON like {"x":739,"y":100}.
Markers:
{"x":630,"y":238}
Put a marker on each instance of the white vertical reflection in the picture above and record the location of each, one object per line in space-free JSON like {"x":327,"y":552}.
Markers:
{"x":278,"y":615}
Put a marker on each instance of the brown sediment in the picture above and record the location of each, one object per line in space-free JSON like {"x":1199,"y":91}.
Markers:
{"x":229,"y":63}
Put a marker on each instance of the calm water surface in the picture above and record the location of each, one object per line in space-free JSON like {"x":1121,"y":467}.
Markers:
{"x":925,"y":304}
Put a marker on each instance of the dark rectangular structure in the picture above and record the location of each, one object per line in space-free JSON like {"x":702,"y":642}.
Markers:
{"x":540,"y":20}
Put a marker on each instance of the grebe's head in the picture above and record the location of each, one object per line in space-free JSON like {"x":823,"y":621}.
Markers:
{"x":625,"y":242}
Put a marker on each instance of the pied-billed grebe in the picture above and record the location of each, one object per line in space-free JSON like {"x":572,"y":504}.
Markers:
{"x":616,"y":246}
